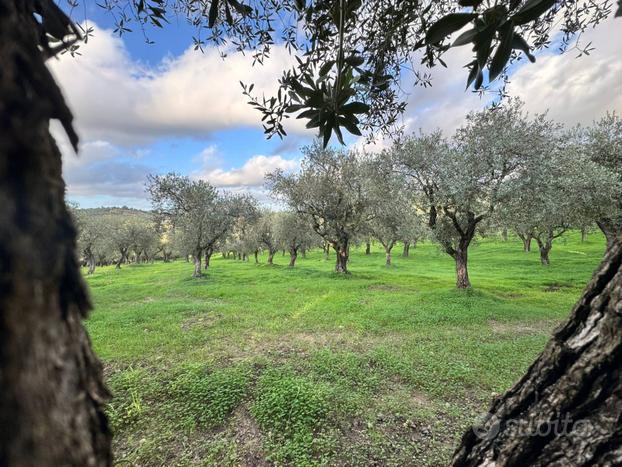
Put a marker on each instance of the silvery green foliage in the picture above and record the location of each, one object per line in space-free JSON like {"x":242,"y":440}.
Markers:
{"x":265,"y":232}
{"x":460,"y":182}
{"x":560,"y":189}
{"x":394,"y":213}
{"x":293,"y":232}
{"x":91,"y":235}
{"x":331,"y":190}
{"x":603,"y":144}
{"x":200,"y":215}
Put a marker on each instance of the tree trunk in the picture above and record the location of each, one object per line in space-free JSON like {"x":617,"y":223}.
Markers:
{"x":609,"y":229}
{"x":406,"y":251}
{"x":544,"y":256}
{"x":256,"y":256}
{"x":368,"y":248}
{"x":197,"y":264}
{"x":341,"y":264}
{"x":270,"y":256}
{"x":545,"y":248}
{"x":566,"y":410}
{"x":462,"y":272}
{"x":293,"y":255}
{"x":504,"y":234}
{"x":121,"y":259}
{"x":387,"y":250}
{"x":583,"y":235}
{"x":91,"y":264}
{"x":527,"y":243}
{"x":52,"y":391}
{"x":208,"y":256}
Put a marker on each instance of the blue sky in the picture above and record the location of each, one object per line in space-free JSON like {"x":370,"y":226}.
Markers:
{"x":153,"y":108}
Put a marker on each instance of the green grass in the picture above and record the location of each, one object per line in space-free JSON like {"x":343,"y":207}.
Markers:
{"x":258,"y":364}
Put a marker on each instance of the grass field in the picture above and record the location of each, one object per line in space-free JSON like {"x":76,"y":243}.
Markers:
{"x":260,"y":365}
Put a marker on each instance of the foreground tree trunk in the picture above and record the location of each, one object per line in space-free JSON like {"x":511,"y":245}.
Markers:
{"x":270,"y":256}
{"x":566,"y":410}
{"x":256,"y":256}
{"x":52,"y":392}
{"x":368,"y":248}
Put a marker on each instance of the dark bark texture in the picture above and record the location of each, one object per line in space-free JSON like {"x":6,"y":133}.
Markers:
{"x":197,"y":264}
{"x":462,"y":272}
{"x":341,"y":257}
{"x":293,"y":255}
{"x":368,"y":248}
{"x":406,"y":251}
{"x":567,"y":409}
{"x":52,"y":392}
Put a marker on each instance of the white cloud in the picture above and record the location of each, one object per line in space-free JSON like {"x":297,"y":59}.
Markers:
{"x":251,"y":174}
{"x":576,"y":90}
{"x":118,"y":99}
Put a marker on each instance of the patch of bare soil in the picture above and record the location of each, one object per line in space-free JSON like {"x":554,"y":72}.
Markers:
{"x":200,"y":321}
{"x":248,"y":438}
{"x":511,"y":328}
{"x":384,"y":287}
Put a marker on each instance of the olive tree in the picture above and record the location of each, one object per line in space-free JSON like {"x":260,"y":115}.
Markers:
{"x":92,"y":232}
{"x":559,"y":190}
{"x":603,"y":144}
{"x":460,"y":183}
{"x":265,"y":231}
{"x":43,"y":340}
{"x":331,"y":189}
{"x":394,"y":214}
{"x":201,"y":215}
{"x":294,"y":233}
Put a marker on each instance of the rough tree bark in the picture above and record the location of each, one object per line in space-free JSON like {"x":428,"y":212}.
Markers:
{"x":197,"y":264}
{"x":341,"y":263}
{"x":462,"y":272}
{"x":293,"y":255}
{"x":526,"y":239}
{"x":271,"y":256}
{"x":52,"y":391}
{"x":91,"y":264}
{"x":208,"y":255}
{"x":387,"y":249}
{"x":545,"y":249}
{"x":566,"y":410}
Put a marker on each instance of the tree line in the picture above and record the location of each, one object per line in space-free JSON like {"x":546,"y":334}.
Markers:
{"x":503,"y":169}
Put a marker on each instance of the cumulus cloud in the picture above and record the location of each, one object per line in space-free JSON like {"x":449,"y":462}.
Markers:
{"x":251,"y":174}
{"x":118,"y":99}
{"x":117,"y":178}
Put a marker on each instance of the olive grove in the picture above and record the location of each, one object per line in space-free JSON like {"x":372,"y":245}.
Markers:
{"x":53,"y":391}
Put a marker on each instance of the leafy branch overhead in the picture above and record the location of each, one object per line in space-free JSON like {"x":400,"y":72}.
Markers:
{"x":354,"y":58}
